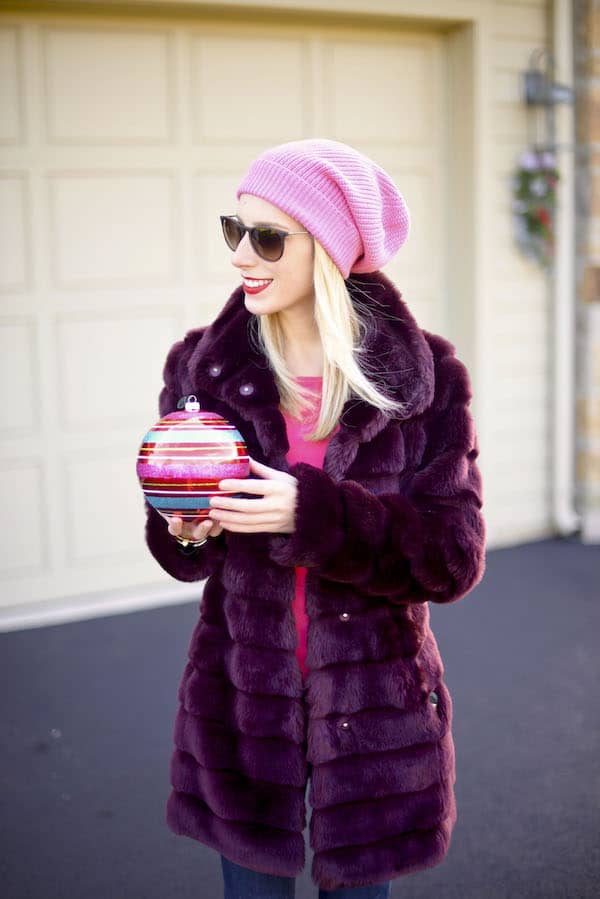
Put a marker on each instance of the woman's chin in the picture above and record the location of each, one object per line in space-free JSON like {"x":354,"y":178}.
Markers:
{"x":256,"y":303}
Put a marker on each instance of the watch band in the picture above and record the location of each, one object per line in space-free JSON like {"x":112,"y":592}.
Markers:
{"x":185,"y":542}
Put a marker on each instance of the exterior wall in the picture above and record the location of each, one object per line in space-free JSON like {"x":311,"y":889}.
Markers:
{"x":587,"y":86}
{"x":517,"y":337}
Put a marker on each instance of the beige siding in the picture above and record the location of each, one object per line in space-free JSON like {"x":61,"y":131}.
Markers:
{"x":518,"y":467}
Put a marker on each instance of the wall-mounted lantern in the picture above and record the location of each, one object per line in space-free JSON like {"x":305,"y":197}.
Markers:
{"x":538,"y":86}
{"x":541,"y":90}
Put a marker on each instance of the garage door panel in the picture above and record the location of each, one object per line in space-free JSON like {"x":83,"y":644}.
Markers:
{"x":14,"y":231}
{"x":23,"y":548}
{"x":103,"y":367}
{"x":95,"y":77}
{"x":18,"y":366}
{"x":112,"y":228}
{"x":249,"y":88}
{"x":380,"y":90}
{"x":11,"y":85}
{"x":101,"y":505}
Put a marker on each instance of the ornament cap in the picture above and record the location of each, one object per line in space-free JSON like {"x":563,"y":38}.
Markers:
{"x":192,"y":404}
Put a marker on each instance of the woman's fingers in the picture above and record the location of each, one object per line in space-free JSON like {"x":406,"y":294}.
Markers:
{"x":202,"y":530}
{"x":210,"y":528}
{"x":205,"y":528}
{"x":175,"y":525}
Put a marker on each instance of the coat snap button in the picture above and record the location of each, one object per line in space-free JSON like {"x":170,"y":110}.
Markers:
{"x":433,"y":698}
{"x":215,"y":370}
{"x":344,"y":725}
{"x":246,"y":389}
{"x":344,"y":616}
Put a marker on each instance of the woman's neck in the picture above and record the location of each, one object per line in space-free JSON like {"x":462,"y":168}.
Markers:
{"x":307,"y":364}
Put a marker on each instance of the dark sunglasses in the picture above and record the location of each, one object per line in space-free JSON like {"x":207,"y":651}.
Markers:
{"x":268,"y":243}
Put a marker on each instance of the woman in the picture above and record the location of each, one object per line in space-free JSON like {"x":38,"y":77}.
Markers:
{"x":312,"y":659}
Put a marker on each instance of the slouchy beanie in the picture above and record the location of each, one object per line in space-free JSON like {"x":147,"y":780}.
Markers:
{"x":346,"y":201}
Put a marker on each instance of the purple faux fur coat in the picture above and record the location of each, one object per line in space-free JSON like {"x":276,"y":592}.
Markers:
{"x":392,"y":522}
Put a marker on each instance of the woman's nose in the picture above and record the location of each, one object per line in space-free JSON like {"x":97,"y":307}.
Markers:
{"x":244,"y":252}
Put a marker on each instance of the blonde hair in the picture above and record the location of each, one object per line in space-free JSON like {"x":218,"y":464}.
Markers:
{"x":342,"y":321}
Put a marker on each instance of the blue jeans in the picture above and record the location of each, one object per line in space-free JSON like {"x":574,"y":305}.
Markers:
{"x":243,"y":883}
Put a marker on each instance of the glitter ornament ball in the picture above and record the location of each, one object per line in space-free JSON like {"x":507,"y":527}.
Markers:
{"x":184,"y":456}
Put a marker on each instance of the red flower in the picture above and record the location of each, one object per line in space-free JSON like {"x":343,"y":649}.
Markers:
{"x":543,"y":216}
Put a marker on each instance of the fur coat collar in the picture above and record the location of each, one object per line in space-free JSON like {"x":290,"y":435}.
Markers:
{"x":391,"y":522}
{"x":232,"y":372}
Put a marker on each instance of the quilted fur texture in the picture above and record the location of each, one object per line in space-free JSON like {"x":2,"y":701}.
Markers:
{"x":392,"y":522}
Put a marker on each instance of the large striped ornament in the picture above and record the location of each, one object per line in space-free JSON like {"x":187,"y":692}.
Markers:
{"x":184,"y":456}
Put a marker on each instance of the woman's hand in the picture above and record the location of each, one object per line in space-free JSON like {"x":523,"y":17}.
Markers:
{"x":274,"y":512}
{"x":207,"y":528}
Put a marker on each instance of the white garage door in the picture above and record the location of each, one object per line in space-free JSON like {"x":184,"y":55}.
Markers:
{"x":122,"y":141}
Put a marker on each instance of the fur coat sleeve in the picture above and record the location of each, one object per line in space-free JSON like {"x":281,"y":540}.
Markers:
{"x":424,"y":542}
{"x":195,"y":563}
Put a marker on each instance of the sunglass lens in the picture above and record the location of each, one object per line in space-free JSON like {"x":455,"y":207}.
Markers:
{"x":231,"y":232}
{"x":267,"y":243}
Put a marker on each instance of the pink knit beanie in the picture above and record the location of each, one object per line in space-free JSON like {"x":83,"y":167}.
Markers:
{"x":346,"y":201}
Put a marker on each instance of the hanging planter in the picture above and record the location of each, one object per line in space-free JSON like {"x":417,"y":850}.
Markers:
{"x":534,"y":202}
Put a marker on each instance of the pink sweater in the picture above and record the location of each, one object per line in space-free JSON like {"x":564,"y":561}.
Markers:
{"x":313,"y":453}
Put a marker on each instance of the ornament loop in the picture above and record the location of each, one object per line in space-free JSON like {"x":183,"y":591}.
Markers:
{"x":192,"y":404}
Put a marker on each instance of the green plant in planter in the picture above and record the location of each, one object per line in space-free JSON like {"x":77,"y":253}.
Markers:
{"x":534,"y":202}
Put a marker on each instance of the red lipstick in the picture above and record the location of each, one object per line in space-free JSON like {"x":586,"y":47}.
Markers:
{"x":253,"y":290}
